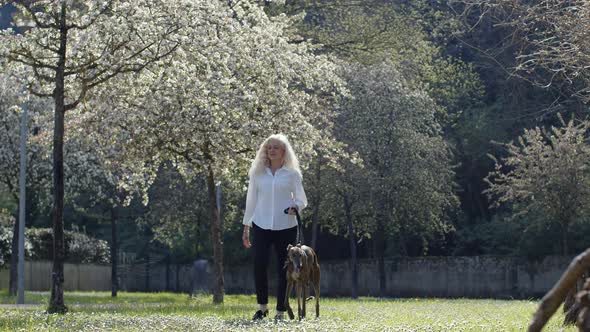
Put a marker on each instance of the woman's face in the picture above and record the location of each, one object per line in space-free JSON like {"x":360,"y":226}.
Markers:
{"x":275,"y":151}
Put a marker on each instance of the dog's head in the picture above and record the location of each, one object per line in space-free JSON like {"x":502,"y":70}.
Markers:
{"x":296,"y":257}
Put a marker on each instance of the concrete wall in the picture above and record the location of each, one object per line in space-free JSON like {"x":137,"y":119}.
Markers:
{"x":475,"y":277}
{"x":84,"y":277}
{"x":496,"y":277}
{"x":139,"y":278}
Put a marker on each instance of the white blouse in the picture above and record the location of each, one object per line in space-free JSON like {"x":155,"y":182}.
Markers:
{"x":268,"y":197}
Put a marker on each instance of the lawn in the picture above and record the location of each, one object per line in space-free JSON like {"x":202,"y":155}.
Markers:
{"x":97,"y":311}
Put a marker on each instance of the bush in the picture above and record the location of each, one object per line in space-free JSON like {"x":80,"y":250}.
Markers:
{"x":80,"y":248}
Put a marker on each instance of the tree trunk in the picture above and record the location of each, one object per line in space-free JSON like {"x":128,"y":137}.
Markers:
{"x":114,"y":280}
{"x":553,"y":299}
{"x":381,"y":256}
{"x":217,"y":241}
{"x":13,"y":283}
{"x":570,"y":307}
{"x":564,"y":244}
{"x":380,"y":242}
{"x":168,"y":288}
{"x":352,"y":242}
{"x":56,"y":303}
{"x":316,"y":206}
{"x":178,"y":289}
{"x":147,"y":269}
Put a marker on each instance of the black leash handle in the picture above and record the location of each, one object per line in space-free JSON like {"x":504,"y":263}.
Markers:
{"x":299,"y":227}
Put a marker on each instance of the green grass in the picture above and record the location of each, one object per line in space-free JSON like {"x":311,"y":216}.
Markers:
{"x":97,"y":311}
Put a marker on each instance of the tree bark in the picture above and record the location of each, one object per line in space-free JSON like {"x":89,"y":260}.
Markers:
{"x":570,"y":308}
{"x":216,"y":238}
{"x":13,"y":283}
{"x":114,"y":280}
{"x":353,"y":253}
{"x":168,"y":288}
{"x":56,"y":303}
{"x":380,"y":243}
{"x":556,"y":295}
{"x":564,"y":244}
{"x":178,"y":289}
{"x":316,"y":206}
{"x":147,"y":269}
{"x":381,"y":256}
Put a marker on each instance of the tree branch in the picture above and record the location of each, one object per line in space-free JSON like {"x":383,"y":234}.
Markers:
{"x":92,"y":64}
{"x":553,"y":299}
{"x":81,"y":97}
{"x":39,"y":94}
{"x":34,"y":62}
{"x":47,"y":47}
{"x":85,"y":26}
{"x":130,"y":68}
{"x":27,"y":5}
{"x":40,"y":75}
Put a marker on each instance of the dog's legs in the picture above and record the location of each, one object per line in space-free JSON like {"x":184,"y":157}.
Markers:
{"x":316,"y":290}
{"x":299,"y":289}
{"x":287,"y":306}
{"x":305,"y":295}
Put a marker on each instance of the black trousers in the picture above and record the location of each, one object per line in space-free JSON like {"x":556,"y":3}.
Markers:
{"x":262,"y":241}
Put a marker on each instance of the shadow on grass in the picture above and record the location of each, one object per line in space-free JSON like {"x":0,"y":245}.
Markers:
{"x":265,"y":324}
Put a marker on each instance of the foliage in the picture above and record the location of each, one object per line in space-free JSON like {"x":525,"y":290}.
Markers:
{"x":508,"y":105}
{"x":177,"y":214}
{"x":342,"y":188}
{"x":84,"y":173}
{"x":411,"y":35}
{"x":80,"y":248}
{"x":101,"y":40}
{"x":527,"y":237}
{"x":220,"y":76}
{"x":234,"y":77}
{"x":408,"y":36}
{"x":72,"y":47}
{"x":550,"y":37}
{"x":6,"y":223}
{"x":545,"y":173}
{"x":395,"y":130}
{"x":224,"y":91}
{"x":11,"y":101}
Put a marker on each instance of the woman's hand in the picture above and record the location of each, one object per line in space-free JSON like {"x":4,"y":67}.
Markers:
{"x":246,"y":237}
{"x":292,"y":210}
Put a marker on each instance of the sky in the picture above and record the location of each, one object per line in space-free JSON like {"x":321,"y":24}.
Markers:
{"x":5,"y":12}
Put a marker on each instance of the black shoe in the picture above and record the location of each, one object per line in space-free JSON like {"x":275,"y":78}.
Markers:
{"x":260,"y":314}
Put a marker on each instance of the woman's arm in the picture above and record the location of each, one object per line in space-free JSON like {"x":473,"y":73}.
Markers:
{"x":246,"y":237}
{"x":251,"y":197}
{"x":299,"y":194}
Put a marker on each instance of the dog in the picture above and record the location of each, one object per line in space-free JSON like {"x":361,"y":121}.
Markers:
{"x":303,"y":268}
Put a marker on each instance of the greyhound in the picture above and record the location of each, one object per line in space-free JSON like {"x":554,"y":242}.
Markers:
{"x":303,"y":268}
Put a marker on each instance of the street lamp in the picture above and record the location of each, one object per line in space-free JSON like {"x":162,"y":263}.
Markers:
{"x":21,"y":202}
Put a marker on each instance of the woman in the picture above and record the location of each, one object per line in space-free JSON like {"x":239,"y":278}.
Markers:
{"x":275,"y":185}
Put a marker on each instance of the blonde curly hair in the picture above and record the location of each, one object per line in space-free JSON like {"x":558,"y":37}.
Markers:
{"x":261,"y":161}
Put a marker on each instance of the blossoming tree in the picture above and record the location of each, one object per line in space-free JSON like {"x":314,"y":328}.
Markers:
{"x":72,"y":47}
{"x":237,"y":76}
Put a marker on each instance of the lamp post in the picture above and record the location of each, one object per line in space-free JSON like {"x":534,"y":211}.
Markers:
{"x":21,"y":214}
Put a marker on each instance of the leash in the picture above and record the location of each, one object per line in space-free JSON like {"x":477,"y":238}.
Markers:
{"x":299,"y":227}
